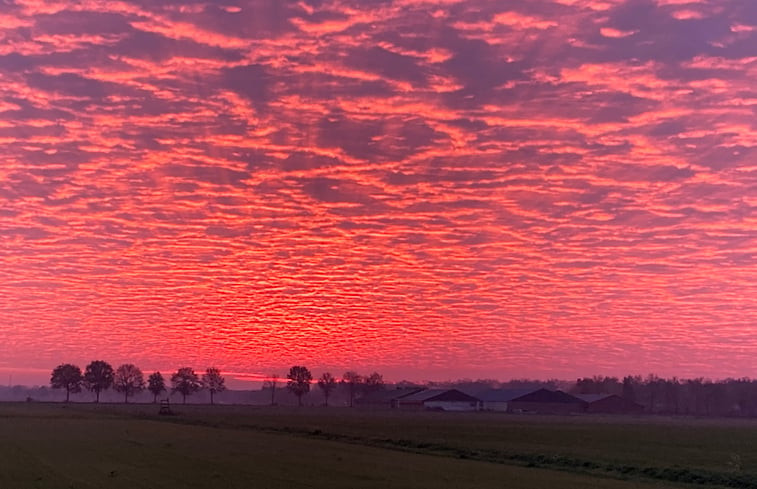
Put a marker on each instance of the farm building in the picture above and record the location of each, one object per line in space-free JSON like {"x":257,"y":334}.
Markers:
{"x":498,"y":399}
{"x":544,"y":401}
{"x":610,"y":404}
{"x":385,"y":399}
{"x":441,"y":399}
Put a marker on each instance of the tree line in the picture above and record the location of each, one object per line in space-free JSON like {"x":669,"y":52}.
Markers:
{"x":699,"y":396}
{"x":128,"y":380}
{"x":299,"y":379}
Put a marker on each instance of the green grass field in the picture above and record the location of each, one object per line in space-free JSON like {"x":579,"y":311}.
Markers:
{"x":87,"y":446}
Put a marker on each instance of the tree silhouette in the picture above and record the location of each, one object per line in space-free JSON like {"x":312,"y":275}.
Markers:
{"x":213,"y":381}
{"x":671,"y":388}
{"x":299,"y":382}
{"x":373,"y":383}
{"x":653,"y":386}
{"x":185,"y":382}
{"x":628,"y":390}
{"x":156,"y":385}
{"x":327,"y":383}
{"x":67,"y":376}
{"x":271,"y":383}
{"x":128,"y":380}
{"x":353,"y":382}
{"x":98,"y":377}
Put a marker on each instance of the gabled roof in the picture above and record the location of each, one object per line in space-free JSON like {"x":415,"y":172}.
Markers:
{"x":544,"y":395}
{"x":438,"y":395}
{"x":423,"y":395}
{"x":594,"y":397}
{"x":614,"y":398}
{"x":503,"y":395}
{"x":388,"y":396}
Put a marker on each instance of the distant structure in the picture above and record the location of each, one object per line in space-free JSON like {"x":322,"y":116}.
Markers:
{"x":537,"y":401}
{"x":544,"y":401}
{"x":165,"y":408}
{"x":420,"y":398}
{"x":610,"y":404}
{"x":499,"y":399}
{"x":386,"y":399}
{"x":440,"y":399}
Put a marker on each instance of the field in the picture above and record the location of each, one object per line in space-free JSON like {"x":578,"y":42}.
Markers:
{"x":79,"y":446}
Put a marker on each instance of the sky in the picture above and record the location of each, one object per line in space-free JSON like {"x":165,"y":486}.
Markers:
{"x":431,"y":189}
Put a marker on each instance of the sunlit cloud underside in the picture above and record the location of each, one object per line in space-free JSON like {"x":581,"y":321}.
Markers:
{"x":432,"y":189}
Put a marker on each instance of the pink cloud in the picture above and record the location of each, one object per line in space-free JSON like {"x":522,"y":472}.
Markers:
{"x":405,"y":186}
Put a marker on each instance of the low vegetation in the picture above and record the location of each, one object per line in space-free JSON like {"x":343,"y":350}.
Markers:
{"x":704,"y":452}
{"x":242,"y":446}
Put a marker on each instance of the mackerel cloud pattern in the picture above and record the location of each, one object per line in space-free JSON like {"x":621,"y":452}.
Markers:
{"x":431,"y":188}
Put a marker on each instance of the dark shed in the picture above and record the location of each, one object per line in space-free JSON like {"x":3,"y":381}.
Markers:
{"x":610,"y":404}
{"x":544,"y":401}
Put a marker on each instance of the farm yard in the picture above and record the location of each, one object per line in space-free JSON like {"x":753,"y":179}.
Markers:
{"x":67,"y":446}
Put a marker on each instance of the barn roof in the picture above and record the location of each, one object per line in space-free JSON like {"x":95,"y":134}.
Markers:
{"x":439,"y":395}
{"x":594,"y":397}
{"x":503,"y":395}
{"x":544,"y":395}
{"x":618,"y":401}
{"x":387,"y":395}
{"x":424,"y":395}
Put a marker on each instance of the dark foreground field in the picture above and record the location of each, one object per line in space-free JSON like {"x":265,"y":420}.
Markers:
{"x":86,"y":446}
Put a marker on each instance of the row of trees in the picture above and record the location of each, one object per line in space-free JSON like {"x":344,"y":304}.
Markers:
{"x":659,"y":395}
{"x":299,"y":379}
{"x":128,"y":379}
{"x":697,"y":396}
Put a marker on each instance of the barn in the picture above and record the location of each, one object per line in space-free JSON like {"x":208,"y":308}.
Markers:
{"x":610,"y":404}
{"x":440,"y":399}
{"x":386,"y":398}
{"x":499,"y":399}
{"x":544,"y":401}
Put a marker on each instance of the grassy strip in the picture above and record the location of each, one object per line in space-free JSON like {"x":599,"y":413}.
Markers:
{"x":556,"y":462}
{"x":560,"y":462}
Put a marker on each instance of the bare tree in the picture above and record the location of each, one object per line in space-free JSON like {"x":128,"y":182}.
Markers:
{"x":156,"y":385}
{"x":185,"y":382}
{"x":327,"y":383}
{"x":98,"y":377}
{"x":299,"y":382}
{"x":628,"y":390}
{"x":67,"y":377}
{"x":653,"y":386}
{"x":271,"y":383}
{"x":353,"y":382}
{"x":213,"y":382}
{"x":128,"y":380}
{"x":373,"y":383}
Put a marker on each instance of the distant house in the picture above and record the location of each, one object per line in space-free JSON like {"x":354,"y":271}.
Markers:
{"x":441,"y":399}
{"x":385,"y":399}
{"x":544,"y":401}
{"x":499,"y":399}
{"x":609,"y":404}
